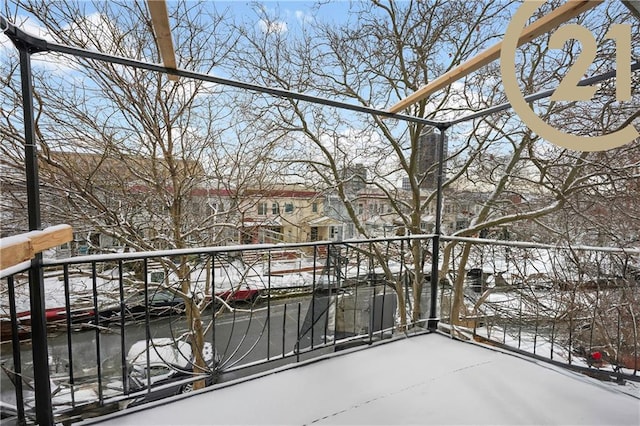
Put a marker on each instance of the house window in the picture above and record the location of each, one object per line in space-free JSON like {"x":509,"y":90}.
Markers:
{"x":335,"y":232}
{"x":360,"y":208}
{"x":275,"y":208}
{"x":288,"y":207}
{"x":156,"y":277}
{"x":314,"y":233}
{"x":314,"y":207}
{"x":262,"y":209}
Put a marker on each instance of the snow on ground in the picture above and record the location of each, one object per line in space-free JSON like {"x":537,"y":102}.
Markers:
{"x":428,"y":379}
{"x":80,"y":291}
{"x":107,"y":284}
{"x":260,"y":275}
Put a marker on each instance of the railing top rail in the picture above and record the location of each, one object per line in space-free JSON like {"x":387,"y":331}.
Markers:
{"x":23,"y":247}
{"x":525,"y":244}
{"x":15,"y":269}
{"x":218,"y":249}
{"x":286,"y":246}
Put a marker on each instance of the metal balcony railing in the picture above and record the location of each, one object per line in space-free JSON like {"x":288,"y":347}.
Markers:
{"x":576,"y":306}
{"x":125,"y":329}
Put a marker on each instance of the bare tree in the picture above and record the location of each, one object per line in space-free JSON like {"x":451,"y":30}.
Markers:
{"x":387,"y":50}
{"x":127,"y":153}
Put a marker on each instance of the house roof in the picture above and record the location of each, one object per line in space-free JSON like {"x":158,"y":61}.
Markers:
{"x":108,"y":166}
{"x":324,"y":221}
{"x":426,"y":379}
{"x":282,"y":193}
{"x":271,"y":221}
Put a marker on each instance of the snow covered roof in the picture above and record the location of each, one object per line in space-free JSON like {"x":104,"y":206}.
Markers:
{"x":427,"y":379}
{"x":275,"y":221}
{"x":324,"y":221}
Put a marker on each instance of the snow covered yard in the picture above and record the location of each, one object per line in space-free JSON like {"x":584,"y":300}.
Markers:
{"x":427,"y":379}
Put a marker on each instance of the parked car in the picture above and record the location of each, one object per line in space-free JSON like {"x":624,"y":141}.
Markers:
{"x":170,"y":361}
{"x":243,"y":293}
{"x":160,"y":303}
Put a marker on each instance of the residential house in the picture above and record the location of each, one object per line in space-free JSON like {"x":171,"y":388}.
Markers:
{"x":286,"y":213}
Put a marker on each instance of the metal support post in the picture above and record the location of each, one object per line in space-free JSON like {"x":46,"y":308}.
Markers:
{"x":432,"y":323}
{"x":27,"y":45}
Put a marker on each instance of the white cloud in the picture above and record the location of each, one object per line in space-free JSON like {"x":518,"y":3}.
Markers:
{"x":303,"y":17}
{"x":55,"y":63}
{"x":270,"y":27}
{"x":27,"y":26}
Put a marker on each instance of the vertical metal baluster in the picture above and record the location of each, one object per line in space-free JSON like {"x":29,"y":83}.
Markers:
{"x":15,"y":346}
{"x":346,"y":284}
{"x":454,"y":277}
{"x":313,"y":285}
{"x":570,"y":334}
{"x":618,"y":338}
{"x":298,"y":335}
{"x":372,"y":315}
{"x":147,"y":320}
{"x":313,"y":299}
{"x":535,"y":331}
{"x":553,"y":337}
{"x":213,"y":308}
{"x":335,"y":314}
{"x":326,"y":317}
{"x":441,"y":296}
{"x":372,"y":288}
{"x":67,"y":301}
{"x":595,"y":306}
{"x":123,"y":340}
{"x":451,"y":295}
{"x":355,"y":303}
{"x":635,"y":342}
{"x":400,"y":276}
{"x":384,"y":298}
{"x":284,"y":330}
{"x":520,"y":293}
{"x":346,"y":263}
{"x":269,"y":309}
{"x":94,"y":279}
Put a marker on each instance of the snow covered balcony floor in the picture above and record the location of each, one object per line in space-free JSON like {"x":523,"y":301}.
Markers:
{"x":426,"y":379}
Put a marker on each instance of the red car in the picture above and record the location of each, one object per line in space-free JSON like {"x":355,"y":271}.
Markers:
{"x":241,"y":294}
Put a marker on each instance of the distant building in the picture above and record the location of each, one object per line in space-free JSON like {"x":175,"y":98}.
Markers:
{"x":428,"y":154}
{"x":406,"y":184}
{"x":354,"y":178}
{"x":285,"y":214}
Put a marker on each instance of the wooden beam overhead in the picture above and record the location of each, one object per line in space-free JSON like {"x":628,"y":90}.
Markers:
{"x":543,"y":25}
{"x":162,"y":31}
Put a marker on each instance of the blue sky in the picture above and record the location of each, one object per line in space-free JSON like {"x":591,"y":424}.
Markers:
{"x":293,"y":9}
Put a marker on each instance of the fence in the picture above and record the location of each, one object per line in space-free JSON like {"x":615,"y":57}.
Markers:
{"x":125,"y":329}
{"x":576,"y":306}
{"x":129,"y":328}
